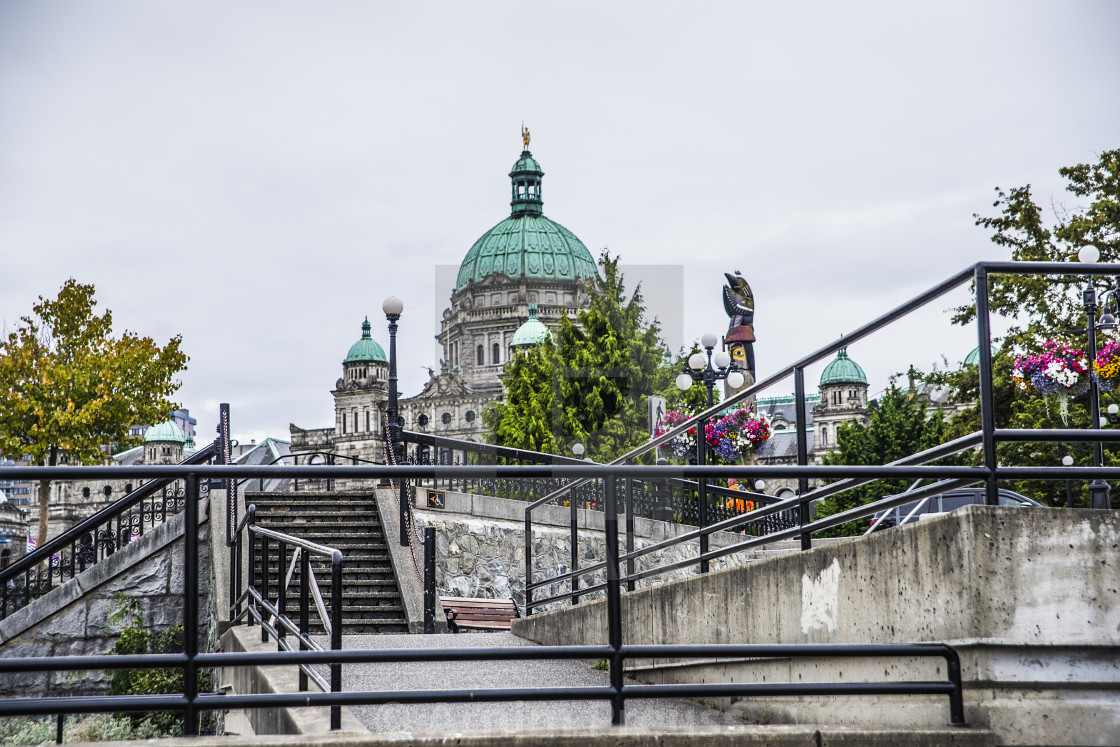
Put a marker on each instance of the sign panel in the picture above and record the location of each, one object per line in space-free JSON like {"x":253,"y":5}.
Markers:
{"x":657,"y":410}
{"x":437,"y":499}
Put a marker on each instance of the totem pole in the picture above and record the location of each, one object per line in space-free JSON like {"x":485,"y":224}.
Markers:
{"x":738,"y":302}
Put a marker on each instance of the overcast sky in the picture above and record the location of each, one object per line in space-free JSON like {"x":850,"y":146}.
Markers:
{"x":257,"y":177}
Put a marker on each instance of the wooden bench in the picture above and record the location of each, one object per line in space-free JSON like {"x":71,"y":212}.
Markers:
{"x":473,"y":613}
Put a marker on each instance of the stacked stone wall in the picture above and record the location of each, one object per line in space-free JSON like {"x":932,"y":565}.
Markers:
{"x":81,"y":617}
{"x":480,"y":549}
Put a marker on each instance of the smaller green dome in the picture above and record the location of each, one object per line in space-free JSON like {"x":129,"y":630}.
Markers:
{"x":169,"y":431}
{"x":526,"y":164}
{"x":532,"y":332}
{"x":973,"y":358}
{"x":366,"y":349}
{"x":843,"y":370}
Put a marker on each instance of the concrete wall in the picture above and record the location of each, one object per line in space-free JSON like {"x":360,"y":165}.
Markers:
{"x":73,"y":619}
{"x":1030,"y":599}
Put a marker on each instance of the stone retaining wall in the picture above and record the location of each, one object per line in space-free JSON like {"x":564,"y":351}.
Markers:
{"x":480,"y":546}
{"x":75,"y":618}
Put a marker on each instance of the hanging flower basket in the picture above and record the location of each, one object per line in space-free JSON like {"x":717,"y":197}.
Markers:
{"x":730,"y":439}
{"x":1059,"y":371}
{"x":1059,"y":368}
{"x":1107,"y":366}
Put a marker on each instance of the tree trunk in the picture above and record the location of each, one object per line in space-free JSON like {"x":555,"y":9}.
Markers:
{"x":45,"y":498}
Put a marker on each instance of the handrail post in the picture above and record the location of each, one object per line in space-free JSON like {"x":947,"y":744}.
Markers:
{"x":250,"y":583}
{"x":190,"y":605}
{"x":956,"y":698}
{"x":528,"y":562}
{"x":573,"y":525}
{"x":264,"y":585}
{"x":429,"y":580}
{"x":304,"y":608}
{"x":281,"y":593}
{"x":702,"y":487}
{"x":403,"y":505}
{"x":802,"y":453}
{"x":336,"y":634}
{"x":987,"y":413}
{"x":614,"y":601}
{"x":628,"y":487}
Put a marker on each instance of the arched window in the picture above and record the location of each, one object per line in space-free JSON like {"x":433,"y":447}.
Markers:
{"x":470,"y":416}
{"x":423,"y":421}
{"x":85,"y":492}
{"x":480,"y":354}
{"x":128,"y":487}
{"x":496,"y":354}
{"x":445,"y":418}
{"x":824,"y":435}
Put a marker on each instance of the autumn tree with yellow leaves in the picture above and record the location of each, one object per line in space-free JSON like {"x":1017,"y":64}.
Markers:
{"x":69,"y":387}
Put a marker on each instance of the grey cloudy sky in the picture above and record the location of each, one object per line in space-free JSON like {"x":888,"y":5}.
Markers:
{"x":258,"y":176}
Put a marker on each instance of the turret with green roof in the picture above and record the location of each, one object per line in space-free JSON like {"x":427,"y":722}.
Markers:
{"x":532,"y":332}
{"x":366,"y":349}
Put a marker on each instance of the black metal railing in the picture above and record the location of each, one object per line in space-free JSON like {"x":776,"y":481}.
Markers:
{"x":95,"y":538}
{"x":796,"y":511}
{"x":270,"y":611}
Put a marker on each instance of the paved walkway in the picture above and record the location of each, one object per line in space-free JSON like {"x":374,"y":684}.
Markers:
{"x":475,"y":674}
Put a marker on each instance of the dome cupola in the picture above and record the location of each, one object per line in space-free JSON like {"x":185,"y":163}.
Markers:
{"x":527,"y":244}
{"x":843,"y":370}
{"x":532,"y":332}
{"x":366,"y":349}
{"x":167,"y":432}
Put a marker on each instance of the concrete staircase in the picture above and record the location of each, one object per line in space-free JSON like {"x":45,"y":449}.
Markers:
{"x":371,"y":600}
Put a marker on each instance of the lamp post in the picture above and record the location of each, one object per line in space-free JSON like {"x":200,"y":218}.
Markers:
{"x":1067,"y":461}
{"x":699,"y":369}
{"x":1098,"y":489}
{"x":392,"y":306}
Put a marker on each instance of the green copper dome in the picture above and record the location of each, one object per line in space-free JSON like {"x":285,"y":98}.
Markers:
{"x":532,"y":332}
{"x":973,"y":358}
{"x":843,"y":370}
{"x":366,"y":349}
{"x":169,"y":431}
{"x":527,"y":244}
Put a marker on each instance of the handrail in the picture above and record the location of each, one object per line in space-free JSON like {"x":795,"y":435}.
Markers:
{"x":289,"y":539}
{"x":505,"y":452}
{"x":103,"y":516}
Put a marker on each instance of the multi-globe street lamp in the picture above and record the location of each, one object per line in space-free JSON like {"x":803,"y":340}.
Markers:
{"x":699,"y":368}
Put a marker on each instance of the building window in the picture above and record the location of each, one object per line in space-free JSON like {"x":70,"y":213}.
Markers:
{"x":470,"y":416}
{"x":422,"y":420}
{"x":107,"y":490}
{"x":344,"y":423}
{"x":445,"y":418}
{"x":85,"y":492}
{"x":128,"y":487}
{"x":824,"y":436}
{"x":496,"y":354}
{"x":367,"y":420}
{"x":355,"y":422}
{"x":480,"y":354}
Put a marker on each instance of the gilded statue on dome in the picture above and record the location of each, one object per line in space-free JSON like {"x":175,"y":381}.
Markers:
{"x":525,"y":135}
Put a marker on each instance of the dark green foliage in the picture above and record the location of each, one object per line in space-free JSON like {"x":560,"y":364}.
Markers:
{"x":135,"y":638}
{"x":1042,"y":309}
{"x":590,"y":384}
{"x":898,"y":426}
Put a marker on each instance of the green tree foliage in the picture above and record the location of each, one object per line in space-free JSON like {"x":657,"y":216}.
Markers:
{"x":1040,"y":309}
{"x":68,"y":387}
{"x":590,"y":384}
{"x":897,"y":427}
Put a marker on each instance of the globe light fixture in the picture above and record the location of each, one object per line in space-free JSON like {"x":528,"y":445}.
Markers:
{"x":1088,"y":254}
{"x":1067,"y":461}
{"x":735,"y":379}
{"x":392,"y":306}
{"x":577,"y":449}
{"x":684,"y":382}
{"x":696,"y":361}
